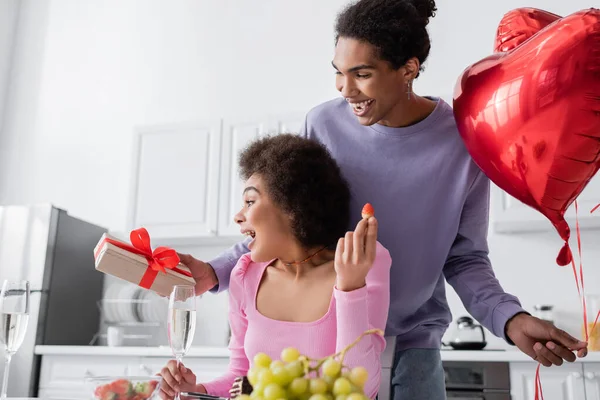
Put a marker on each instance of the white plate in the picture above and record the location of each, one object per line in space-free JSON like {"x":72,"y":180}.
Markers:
{"x":126,"y":307}
{"x":108,"y":305}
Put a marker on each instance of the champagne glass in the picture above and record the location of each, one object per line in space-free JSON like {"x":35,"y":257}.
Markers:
{"x":14,"y":314}
{"x":182,"y":320}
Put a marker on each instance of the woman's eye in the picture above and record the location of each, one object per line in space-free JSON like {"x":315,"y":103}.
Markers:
{"x":249,"y":202}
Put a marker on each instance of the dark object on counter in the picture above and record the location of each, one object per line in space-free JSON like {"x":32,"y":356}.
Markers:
{"x":201,"y":396}
{"x":544,"y":312}
{"x":467,"y":335}
{"x":241,"y":385}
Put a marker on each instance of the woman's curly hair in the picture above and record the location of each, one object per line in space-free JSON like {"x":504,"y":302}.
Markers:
{"x":397,"y":28}
{"x":304,"y":180}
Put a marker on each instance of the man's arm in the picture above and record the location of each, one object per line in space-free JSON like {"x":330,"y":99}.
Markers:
{"x":224,"y":263}
{"x":468,"y":268}
{"x":469,"y":271}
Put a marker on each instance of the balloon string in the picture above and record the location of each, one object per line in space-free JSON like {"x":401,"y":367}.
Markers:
{"x":582,"y":293}
{"x":539,"y":395}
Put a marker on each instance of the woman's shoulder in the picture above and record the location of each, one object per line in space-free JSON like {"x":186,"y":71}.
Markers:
{"x":245,"y":270}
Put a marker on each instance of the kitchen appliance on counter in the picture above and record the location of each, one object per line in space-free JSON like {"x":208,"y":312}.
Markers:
{"x":466,"y":335}
{"x":54,"y":252}
{"x":468,"y":380}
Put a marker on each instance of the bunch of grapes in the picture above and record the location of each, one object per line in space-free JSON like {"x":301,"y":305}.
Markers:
{"x":298,"y":377}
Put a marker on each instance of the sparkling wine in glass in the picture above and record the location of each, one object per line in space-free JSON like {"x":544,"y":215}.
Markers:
{"x":182,"y":320}
{"x":14,"y":315}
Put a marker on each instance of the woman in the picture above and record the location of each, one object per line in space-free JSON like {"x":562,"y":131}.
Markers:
{"x":293,"y":289}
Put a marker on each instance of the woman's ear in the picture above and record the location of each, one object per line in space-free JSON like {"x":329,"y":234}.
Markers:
{"x":412,"y":68}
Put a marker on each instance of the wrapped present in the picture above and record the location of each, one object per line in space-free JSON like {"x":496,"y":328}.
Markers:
{"x":158,"y":270}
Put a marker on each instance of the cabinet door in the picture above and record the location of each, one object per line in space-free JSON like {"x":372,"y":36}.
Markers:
{"x":286,"y":123}
{"x":592,"y":380}
{"x":558,"y":383}
{"x":236,"y":136}
{"x":511,"y":215}
{"x":67,"y":377}
{"x":175,"y":184}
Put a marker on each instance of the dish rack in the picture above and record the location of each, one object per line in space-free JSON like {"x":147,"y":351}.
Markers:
{"x":141,"y":315}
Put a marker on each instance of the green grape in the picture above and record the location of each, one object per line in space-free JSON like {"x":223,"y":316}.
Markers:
{"x":265,"y":376}
{"x":341,"y":397}
{"x":252,"y":375}
{"x":342,"y":386}
{"x":355,"y":396}
{"x":359,"y":376}
{"x":318,"y":396}
{"x":273,"y":392}
{"x":295,"y":369}
{"x":318,"y":386}
{"x":331,"y":368}
{"x":290,"y":354}
{"x":258,"y":388}
{"x":281,"y":376}
{"x":299,"y":386}
{"x":330,"y":380}
{"x":276,"y":364}
{"x":262,"y":360}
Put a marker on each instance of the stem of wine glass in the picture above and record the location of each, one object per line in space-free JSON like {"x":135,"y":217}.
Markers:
{"x":5,"y":380}
{"x":177,"y":397}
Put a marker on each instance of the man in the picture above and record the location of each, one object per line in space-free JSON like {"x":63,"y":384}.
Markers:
{"x":403,"y":153}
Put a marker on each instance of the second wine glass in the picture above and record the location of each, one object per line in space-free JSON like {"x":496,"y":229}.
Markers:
{"x":182,"y":321}
{"x":14,"y":315}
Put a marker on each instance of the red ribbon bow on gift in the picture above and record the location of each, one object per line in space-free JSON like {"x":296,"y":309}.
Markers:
{"x":159,"y":259}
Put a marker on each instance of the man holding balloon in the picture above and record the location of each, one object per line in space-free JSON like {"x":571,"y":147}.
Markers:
{"x":406,"y":155}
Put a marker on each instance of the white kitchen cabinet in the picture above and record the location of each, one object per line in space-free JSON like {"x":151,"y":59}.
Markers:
{"x":206,"y":369}
{"x":511,"y":215}
{"x":591,"y":373}
{"x":64,"y":376}
{"x":236,"y":136}
{"x":175,"y":182}
{"x":558,"y":383}
{"x":200,"y":163}
{"x":287,"y":123}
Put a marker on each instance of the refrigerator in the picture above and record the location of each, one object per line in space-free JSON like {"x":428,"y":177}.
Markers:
{"x":54,"y":252}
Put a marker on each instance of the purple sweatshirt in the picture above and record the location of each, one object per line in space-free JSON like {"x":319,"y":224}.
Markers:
{"x":432,"y":204}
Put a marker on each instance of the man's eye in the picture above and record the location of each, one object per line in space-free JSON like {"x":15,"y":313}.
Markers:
{"x":362,"y":75}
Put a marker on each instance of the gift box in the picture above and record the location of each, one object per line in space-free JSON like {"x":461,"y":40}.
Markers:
{"x":158,"y":270}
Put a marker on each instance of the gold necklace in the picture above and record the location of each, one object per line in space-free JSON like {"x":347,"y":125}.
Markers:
{"x":289,"y":264}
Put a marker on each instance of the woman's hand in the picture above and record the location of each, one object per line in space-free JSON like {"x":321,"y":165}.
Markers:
{"x":355,"y":254}
{"x":176,"y":380}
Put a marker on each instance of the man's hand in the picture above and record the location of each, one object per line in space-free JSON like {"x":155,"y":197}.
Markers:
{"x":202,"y":272}
{"x":543,"y":341}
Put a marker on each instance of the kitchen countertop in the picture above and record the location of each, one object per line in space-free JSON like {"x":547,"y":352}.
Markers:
{"x":151,"y":351}
{"x":223,"y":352}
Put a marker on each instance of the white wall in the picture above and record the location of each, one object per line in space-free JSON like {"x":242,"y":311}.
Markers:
{"x":8,"y":19}
{"x":87,"y":72}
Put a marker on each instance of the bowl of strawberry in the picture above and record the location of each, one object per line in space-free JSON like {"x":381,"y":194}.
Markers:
{"x":124,"y":388}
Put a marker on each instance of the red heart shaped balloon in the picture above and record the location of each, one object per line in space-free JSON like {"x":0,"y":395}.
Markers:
{"x":519,"y":25}
{"x":530,"y":116}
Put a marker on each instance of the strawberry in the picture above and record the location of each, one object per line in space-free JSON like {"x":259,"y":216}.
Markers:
{"x":367,"y":211}
{"x":121,"y":387}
